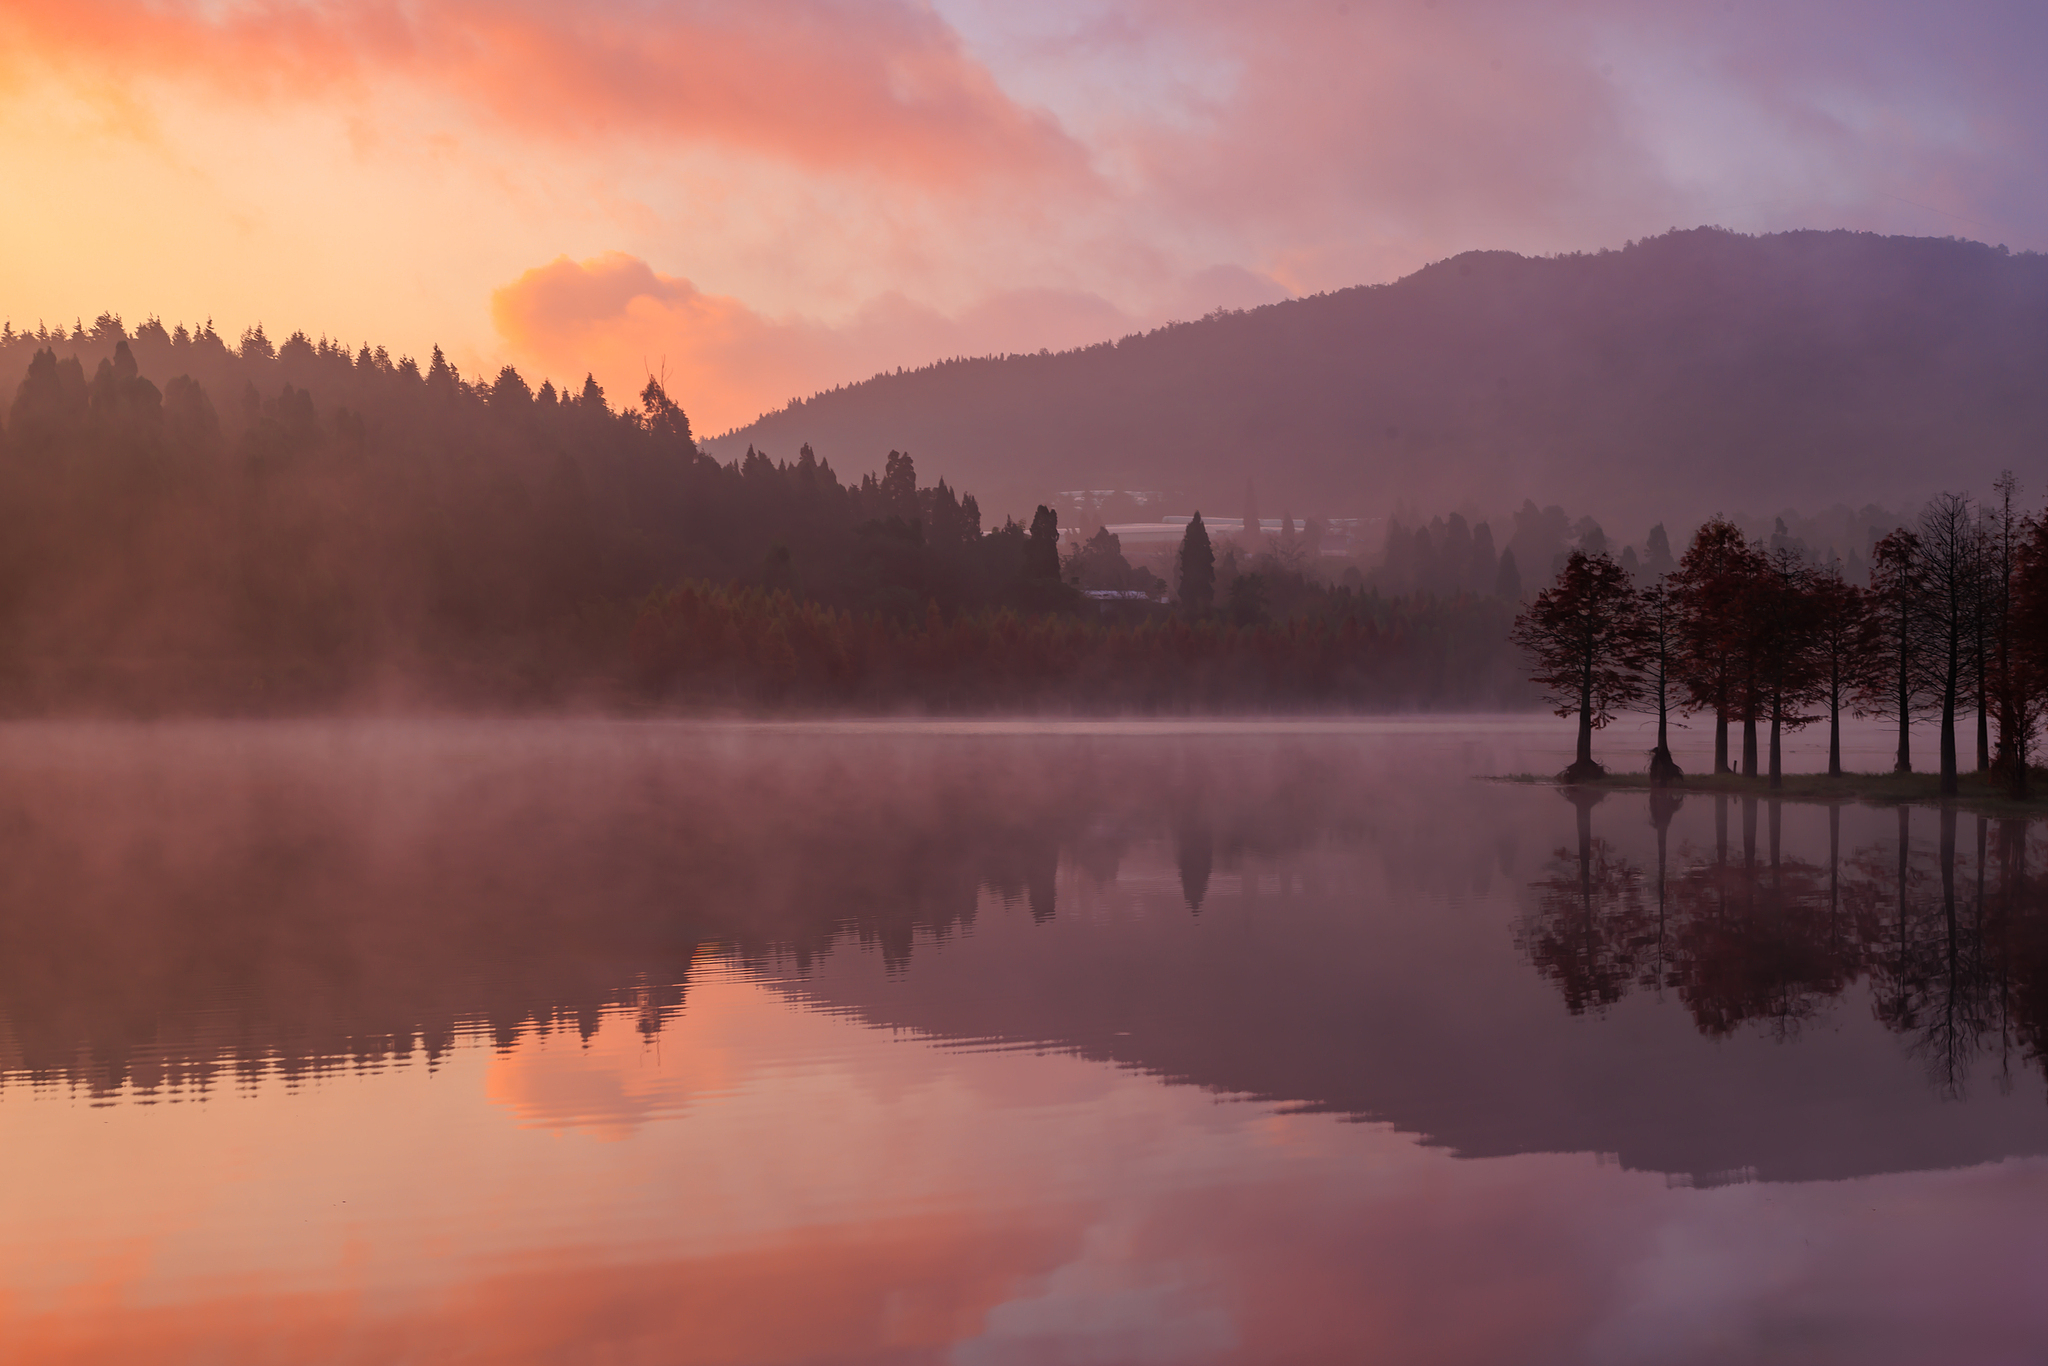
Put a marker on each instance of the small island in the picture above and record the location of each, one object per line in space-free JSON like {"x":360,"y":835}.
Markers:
{"x":1951,"y":627}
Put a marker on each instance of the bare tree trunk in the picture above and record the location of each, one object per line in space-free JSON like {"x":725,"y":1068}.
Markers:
{"x":1983,"y":718}
{"x":1948,"y":717}
{"x":1777,"y":720}
{"x":1835,"y":721}
{"x":1904,"y":763}
{"x":1585,"y":756}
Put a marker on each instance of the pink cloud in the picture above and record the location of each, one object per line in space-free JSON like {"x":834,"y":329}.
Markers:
{"x":968,"y":176}
{"x":882,"y":87}
{"x":618,"y":317}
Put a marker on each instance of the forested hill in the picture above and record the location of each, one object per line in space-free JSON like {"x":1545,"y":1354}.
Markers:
{"x":186,"y":524}
{"x":188,"y":527}
{"x":1696,"y":371}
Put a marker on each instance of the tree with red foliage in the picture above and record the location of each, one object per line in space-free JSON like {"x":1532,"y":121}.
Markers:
{"x":1709,"y":592}
{"x":1584,"y":635}
{"x":2024,"y":687}
{"x":1783,"y":629}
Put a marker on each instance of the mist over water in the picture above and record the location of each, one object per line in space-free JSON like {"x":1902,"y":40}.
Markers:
{"x":989,"y":1042}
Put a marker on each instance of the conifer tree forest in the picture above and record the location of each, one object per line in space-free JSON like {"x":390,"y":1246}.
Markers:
{"x":190,"y":525}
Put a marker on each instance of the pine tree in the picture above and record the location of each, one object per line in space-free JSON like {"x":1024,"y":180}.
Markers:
{"x":1042,"y":550}
{"x":1197,"y":569}
{"x":1507,"y":581}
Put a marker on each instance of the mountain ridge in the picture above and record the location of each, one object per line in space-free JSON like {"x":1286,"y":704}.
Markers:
{"x":1680,"y":375}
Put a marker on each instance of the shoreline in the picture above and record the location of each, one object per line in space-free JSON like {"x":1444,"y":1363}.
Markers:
{"x":1978,"y":792}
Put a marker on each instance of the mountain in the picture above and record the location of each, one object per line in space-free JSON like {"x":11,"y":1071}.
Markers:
{"x":1699,"y":371}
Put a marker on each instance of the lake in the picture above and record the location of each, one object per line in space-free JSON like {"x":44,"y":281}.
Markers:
{"x":985,"y":1042}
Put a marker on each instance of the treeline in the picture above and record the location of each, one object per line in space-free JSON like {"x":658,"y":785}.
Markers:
{"x":1337,"y":649}
{"x":1449,"y":555}
{"x":1952,"y":624}
{"x":296,"y":525}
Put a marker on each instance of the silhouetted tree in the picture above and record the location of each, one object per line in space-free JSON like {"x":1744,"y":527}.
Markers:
{"x":1507,"y":581}
{"x":1197,"y":565}
{"x":1584,"y":636}
{"x":1042,"y":550}
{"x":2002,"y":672}
{"x":1897,"y":609}
{"x":2025,"y":692}
{"x":1844,"y":650}
{"x":1785,"y":627}
{"x":1657,"y":561}
{"x":663,"y":415}
{"x":1658,"y":632}
{"x":1950,"y":590}
{"x":1709,"y":591}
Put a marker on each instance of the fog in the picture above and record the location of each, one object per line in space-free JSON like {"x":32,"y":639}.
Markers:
{"x":1329,"y":914}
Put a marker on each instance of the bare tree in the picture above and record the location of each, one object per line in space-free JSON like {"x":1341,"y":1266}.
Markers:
{"x":1783,"y":627}
{"x":2009,"y":676}
{"x":1949,"y":588}
{"x":2026,"y":691}
{"x":1897,"y":688}
{"x":1843,"y":647}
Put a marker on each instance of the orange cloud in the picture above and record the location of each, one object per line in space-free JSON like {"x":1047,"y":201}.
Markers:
{"x":615,"y":316}
{"x":1067,"y":165}
{"x":884,"y":87}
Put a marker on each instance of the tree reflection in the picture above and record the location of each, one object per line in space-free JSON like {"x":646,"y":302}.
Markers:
{"x":1589,"y":930}
{"x":1195,"y":853}
{"x":1954,"y":942}
{"x":1659,"y":968}
{"x":170,"y":923}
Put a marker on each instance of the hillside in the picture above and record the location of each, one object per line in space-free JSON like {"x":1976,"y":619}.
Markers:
{"x":1697,"y":371}
{"x":188,"y":526}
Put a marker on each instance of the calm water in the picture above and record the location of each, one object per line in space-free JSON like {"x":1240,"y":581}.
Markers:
{"x":985,"y":1044}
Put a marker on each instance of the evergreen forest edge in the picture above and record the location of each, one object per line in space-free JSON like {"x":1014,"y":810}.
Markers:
{"x":291,"y":527}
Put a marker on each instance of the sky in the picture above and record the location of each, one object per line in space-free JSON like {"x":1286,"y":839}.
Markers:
{"x":760,"y":200}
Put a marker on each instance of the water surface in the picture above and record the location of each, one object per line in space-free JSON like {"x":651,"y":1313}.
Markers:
{"x":898,"y":1042}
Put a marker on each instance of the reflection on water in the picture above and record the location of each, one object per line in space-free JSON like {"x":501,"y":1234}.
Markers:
{"x":1953,"y":944}
{"x":990,"y":1044}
